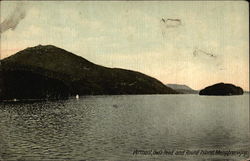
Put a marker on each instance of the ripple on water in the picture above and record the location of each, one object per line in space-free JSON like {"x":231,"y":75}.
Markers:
{"x":112,"y":127}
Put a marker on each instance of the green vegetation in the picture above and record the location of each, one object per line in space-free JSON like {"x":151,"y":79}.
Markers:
{"x":49,"y":72}
{"x":222,"y":89}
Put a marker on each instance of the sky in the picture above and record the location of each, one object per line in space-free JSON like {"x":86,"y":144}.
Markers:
{"x":195,"y":43}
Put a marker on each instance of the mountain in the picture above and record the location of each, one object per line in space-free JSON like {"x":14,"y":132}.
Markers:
{"x":50,"y":72}
{"x":222,"y":89}
{"x":184,"y":89}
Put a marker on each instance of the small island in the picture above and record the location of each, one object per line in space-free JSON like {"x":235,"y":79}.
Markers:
{"x":222,"y":89}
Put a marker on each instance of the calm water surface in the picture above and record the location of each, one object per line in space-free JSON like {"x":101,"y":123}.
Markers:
{"x":113,"y":127}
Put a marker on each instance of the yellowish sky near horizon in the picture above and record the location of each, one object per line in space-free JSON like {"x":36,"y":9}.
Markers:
{"x":210,"y":45}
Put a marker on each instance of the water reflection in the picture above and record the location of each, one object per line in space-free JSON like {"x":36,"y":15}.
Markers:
{"x":92,"y":128}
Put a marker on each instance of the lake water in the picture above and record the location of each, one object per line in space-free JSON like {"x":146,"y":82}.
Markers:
{"x":127,"y":127}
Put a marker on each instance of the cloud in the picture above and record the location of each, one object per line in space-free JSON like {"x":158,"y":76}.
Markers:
{"x":14,"y":19}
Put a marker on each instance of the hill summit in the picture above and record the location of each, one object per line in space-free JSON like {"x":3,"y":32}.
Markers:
{"x":50,"y":72}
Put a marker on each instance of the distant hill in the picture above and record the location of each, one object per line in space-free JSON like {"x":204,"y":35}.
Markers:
{"x":184,"y":89}
{"x":51,"y":72}
{"x":222,"y":89}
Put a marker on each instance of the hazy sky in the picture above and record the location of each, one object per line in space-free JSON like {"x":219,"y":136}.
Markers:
{"x":193,"y":43}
